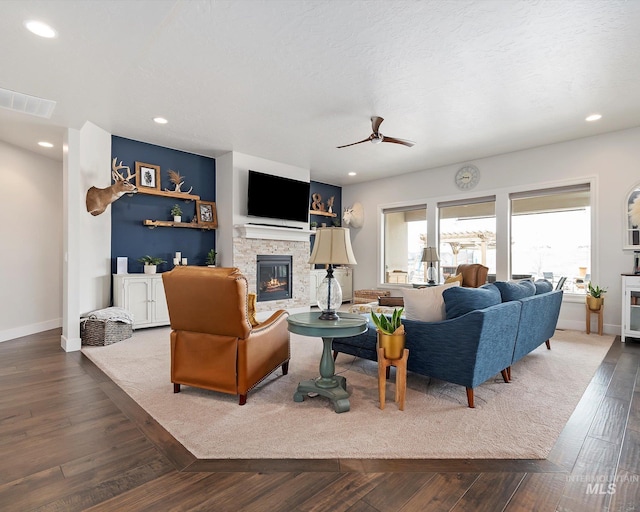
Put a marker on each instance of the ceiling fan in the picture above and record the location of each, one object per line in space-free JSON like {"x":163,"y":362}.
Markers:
{"x":376,"y":137}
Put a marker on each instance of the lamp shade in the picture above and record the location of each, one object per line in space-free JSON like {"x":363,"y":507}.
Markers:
{"x":430,"y":254}
{"x":333,"y":247}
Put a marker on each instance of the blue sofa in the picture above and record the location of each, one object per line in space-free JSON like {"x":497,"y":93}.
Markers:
{"x":475,"y":343}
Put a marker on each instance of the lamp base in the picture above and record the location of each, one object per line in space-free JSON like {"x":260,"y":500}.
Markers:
{"x":329,"y":315}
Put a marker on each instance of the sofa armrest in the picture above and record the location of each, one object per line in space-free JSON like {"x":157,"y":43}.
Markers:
{"x":466,"y":350}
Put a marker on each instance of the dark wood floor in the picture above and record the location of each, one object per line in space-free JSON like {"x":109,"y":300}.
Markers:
{"x":71,"y":440}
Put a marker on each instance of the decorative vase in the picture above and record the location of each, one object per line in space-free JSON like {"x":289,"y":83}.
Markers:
{"x":150,"y":269}
{"x":177,"y":218}
{"x":393,"y":344}
{"x":594,"y":303}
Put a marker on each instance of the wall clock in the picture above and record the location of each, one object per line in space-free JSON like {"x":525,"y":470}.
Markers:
{"x":467,"y":177}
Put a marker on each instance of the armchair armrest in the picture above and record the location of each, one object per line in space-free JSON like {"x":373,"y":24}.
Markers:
{"x":266,"y":348}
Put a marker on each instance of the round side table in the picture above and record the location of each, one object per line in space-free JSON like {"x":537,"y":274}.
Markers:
{"x":329,"y":385}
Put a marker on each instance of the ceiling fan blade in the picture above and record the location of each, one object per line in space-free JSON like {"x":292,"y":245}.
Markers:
{"x":353,"y":144}
{"x":398,"y":141}
{"x":376,"y":121}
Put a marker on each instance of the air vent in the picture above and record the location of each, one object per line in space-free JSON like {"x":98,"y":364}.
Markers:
{"x":26,"y":104}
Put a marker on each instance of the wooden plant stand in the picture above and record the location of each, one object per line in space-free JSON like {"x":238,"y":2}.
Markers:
{"x":401,"y":377}
{"x":600,"y":319}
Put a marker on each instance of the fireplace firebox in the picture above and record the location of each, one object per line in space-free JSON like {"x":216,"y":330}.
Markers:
{"x":274,"y":277}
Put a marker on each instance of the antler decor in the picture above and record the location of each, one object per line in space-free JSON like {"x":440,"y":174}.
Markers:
{"x":99,"y":198}
{"x":177,"y":180}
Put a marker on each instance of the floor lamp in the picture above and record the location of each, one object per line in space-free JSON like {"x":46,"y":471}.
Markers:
{"x":332,"y":246}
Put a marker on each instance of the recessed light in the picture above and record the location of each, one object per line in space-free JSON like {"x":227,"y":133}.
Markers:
{"x":352,"y":173}
{"x":40,"y":29}
{"x":45,"y":144}
{"x":593,"y":117}
{"x":160,"y":120}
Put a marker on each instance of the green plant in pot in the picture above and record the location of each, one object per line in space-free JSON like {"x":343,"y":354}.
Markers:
{"x":176,"y":212}
{"x":211,"y":258}
{"x":391,"y":335}
{"x":595,"y":297}
{"x":150,"y":263}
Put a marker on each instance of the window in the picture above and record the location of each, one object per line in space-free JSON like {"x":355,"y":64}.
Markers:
{"x":467,"y":234}
{"x":551,"y":235}
{"x":405,"y":233}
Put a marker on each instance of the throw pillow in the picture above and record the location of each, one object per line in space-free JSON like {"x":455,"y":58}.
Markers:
{"x":425,"y":304}
{"x":543,"y":286}
{"x":454,"y":279}
{"x":515,"y":291}
{"x":251,"y":309}
{"x":459,"y":301}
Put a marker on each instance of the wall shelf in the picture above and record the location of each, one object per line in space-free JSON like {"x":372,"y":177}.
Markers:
{"x":170,"y":224}
{"x":324,"y":214}
{"x":166,"y":193}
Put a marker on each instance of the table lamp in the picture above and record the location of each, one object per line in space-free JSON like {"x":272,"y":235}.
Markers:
{"x":332,"y":247}
{"x":430,"y":255}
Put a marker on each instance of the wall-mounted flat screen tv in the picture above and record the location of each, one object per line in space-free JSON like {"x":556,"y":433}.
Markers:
{"x":276,"y":197}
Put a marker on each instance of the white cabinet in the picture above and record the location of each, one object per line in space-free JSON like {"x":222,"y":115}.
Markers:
{"x":345,"y":278}
{"x":143,"y":296}
{"x":630,"y":306}
{"x":343,"y":275}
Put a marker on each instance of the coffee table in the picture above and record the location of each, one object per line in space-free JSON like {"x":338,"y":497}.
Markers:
{"x":329,"y":385}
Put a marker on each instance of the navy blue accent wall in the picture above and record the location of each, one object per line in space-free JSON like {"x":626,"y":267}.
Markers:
{"x":130,"y":238}
{"x":326,"y":191}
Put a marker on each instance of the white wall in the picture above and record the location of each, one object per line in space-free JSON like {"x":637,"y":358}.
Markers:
{"x":95,"y":247}
{"x":86,"y":272}
{"x":611,"y":161}
{"x":30,"y":243}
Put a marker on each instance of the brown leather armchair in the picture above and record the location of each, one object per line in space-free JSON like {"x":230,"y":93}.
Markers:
{"x":474,"y":275}
{"x":213,"y":344}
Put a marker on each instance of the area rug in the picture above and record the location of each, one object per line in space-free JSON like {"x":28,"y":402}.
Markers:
{"x":519,"y":420}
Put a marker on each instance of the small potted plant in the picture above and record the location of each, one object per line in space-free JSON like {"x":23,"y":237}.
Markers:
{"x":151,"y":263}
{"x":595,"y":297}
{"x":391,"y":335}
{"x":211,"y":258}
{"x":314,"y":225}
{"x":176,"y":211}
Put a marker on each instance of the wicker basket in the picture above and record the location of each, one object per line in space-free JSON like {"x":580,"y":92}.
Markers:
{"x":104,"y":332}
{"x":366,"y":296}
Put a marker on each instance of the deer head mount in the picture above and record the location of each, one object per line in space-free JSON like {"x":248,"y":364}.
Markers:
{"x":99,"y":198}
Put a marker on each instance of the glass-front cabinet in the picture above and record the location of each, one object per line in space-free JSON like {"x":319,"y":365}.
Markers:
{"x":632,"y":215}
{"x":630,"y":306}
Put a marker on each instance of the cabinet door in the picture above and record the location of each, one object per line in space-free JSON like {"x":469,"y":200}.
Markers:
{"x":313,"y":288}
{"x":137,"y":300}
{"x":631,"y":307}
{"x":344,"y":277}
{"x":347,"y":285}
{"x":160,"y":311}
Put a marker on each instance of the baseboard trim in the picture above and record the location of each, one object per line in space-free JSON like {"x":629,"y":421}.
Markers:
{"x":26,"y":330}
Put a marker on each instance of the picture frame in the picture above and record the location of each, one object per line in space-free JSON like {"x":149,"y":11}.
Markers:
{"x":206,"y":213}
{"x":147,"y":176}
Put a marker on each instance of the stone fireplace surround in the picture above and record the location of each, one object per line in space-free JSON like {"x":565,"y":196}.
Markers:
{"x":250,"y":240}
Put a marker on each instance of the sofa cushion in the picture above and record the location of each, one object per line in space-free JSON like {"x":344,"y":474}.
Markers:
{"x":515,"y":291}
{"x":543,"y":286}
{"x":425,"y":304}
{"x":459,"y":301}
